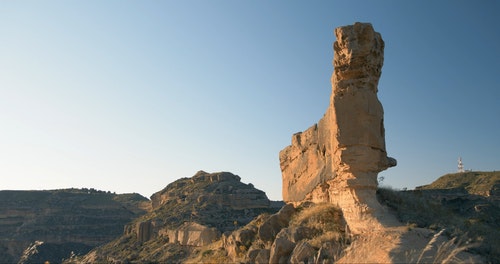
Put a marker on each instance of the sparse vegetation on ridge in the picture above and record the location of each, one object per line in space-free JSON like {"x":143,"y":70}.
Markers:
{"x":470,"y":217}
{"x":212,"y":200}
{"x":325,"y":220}
{"x":485,"y":183}
{"x":63,"y":220}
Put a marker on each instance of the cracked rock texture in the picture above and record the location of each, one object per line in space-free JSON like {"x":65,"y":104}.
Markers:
{"x":337,"y":160}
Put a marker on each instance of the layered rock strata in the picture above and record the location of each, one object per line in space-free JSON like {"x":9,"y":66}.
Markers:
{"x":337,"y":160}
{"x":55,"y":223}
{"x":188,"y":213}
{"x":193,"y":234}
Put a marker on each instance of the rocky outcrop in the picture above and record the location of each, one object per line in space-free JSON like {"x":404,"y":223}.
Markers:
{"x":272,"y":226}
{"x":224,"y":194}
{"x":317,"y":233}
{"x":193,"y":234}
{"x":144,"y":231}
{"x":281,"y":248}
{"x":308,"y":233}
{"x":217,"y":200}
{"x":238,"y":241}
{"x":189,"y":213}
{"x":337,"y":160}
{"x":303,"y":252}
{"x":262,"y":257}
{"x":49,"y":225}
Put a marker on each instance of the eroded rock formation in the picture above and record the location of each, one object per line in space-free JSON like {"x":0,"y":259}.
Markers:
{"x":227,"y":191}
{"x":308,"y":233}
{"x":193,"y":234}
{"x":49,"y":225}
{"x":188,"y":213}
{"x":337,"y":160}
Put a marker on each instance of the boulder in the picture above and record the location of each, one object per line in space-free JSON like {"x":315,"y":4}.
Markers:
{"x":273,"y":225}
{"x":281,"y":248}
{"x":262,"y":256}
{"x":252,"y":255}
{"x":238,"y":241}
{"x":302,"y":253}
{"x":328,"y":252}
{"x":300,"y":233}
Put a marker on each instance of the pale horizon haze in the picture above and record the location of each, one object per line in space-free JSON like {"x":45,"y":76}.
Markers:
{"x":128,"y":96}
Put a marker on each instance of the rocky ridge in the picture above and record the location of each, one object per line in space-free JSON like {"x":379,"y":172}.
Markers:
{"x":482,"y":183}
{"x":57,"y":222}
{"x":464,"y":205}
{"x":187,"y":214}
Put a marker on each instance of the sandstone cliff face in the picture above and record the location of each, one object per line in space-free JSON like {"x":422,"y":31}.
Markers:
{"x":67,"y":220}
{"x":337,"y":160}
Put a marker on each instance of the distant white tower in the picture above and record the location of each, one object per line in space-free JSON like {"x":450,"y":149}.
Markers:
{"x":460,"y":165}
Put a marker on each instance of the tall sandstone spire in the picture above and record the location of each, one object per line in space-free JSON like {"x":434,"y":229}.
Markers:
{"x":337,"y":160}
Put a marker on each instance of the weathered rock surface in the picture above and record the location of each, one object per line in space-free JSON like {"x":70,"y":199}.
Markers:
{"x":303,"y":252}
{"x":189,"y":213}
{"x":62,"y":221}
{"x":238,"y":240}
{"x":263,"y":256}
{"x":224,"y":193}
{"x":310,"y":233}
{"x":272,"y":226}
{"x":316,"y":233}
{"x":144,"y":231}
{"x":193,"y":234}
{"x":281,"y":248}
{"x":337,"y":160}
{"x":217,"y":200}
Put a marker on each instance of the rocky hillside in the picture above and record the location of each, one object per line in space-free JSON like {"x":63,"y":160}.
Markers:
{"x":440,"y":226}
{"x":187,"y":214}
{"x":484,"y":183}
{"x":36,"y":226}
{"x":466,"y":205}
{"x":308,"y":233}
{"x":217,"y":200}
{"x":193,"y":222}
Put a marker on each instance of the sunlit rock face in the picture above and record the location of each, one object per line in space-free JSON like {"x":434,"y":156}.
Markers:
{"x":337,"y":160}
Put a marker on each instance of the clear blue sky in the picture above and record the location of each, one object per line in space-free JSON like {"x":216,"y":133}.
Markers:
{"x":129,"y":96}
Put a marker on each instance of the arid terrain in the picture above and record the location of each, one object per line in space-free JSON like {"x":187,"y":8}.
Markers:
{"x":457,"y":220}
{"x":333,"y":209}
{"x":57,"y":222}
